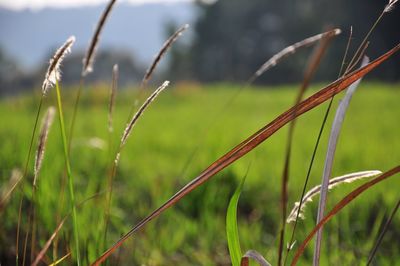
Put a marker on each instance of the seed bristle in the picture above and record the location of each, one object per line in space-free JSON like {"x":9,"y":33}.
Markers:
{"x":53,"y":73}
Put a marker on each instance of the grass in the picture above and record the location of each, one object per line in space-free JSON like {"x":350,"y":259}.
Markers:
{"x":152,"y":168}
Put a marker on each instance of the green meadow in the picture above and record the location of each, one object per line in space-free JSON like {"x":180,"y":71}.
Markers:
{"x":187,"y":128}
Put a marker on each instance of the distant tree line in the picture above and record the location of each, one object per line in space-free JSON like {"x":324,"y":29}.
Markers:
{"x":232,"y":38}
{"x":14,"y":80}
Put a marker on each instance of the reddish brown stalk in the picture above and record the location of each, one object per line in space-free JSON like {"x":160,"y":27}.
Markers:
{"x":253,"y":141}
{"x":338,"y":207}
{"x":312,"y":67}
{"x":48,"y":243}
{"x":58,"y":228}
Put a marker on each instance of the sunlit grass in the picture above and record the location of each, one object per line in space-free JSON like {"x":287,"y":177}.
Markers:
{"x":153,"y":168}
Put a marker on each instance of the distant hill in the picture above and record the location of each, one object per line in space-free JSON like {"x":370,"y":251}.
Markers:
{"x":29,"y":36}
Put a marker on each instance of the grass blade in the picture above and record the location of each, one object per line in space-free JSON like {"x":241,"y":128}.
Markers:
{"x":253,"y":141}
{"x":333,"y":139}
{"x":339,"y":206}
{"x":69,"y":174}
{"x":232,"y":233}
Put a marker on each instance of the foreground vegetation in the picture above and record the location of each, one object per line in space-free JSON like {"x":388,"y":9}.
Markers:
{"x":188,"y":128}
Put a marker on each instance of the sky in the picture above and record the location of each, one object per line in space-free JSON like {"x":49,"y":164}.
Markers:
{"x":39,"y":4}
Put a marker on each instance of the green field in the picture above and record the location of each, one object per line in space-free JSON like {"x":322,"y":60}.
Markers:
{"x":184,"y":131}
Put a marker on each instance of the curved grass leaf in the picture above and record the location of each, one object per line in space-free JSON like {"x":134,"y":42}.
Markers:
{"x":330,"y":155}
{"x":232,"y":233}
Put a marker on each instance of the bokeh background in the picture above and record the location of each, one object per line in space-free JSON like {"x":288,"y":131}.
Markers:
{"x":203,"y":114}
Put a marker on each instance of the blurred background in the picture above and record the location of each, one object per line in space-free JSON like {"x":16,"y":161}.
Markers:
{"x":227,"y":41}
{"x":196,"y":120}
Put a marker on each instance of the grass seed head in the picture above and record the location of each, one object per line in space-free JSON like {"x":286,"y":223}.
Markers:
{"x":308,"y":197}
{"x":53,"y":73}
{"x":139,"y":113}
{"x":46,"y":124}
{"x":88,"y":60}
{"x":389,"y":7}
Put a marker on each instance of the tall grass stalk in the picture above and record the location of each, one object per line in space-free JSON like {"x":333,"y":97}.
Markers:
{"x":113,"y":91}
{"x":51,"y":77}
{"x":129,"y":127}
{"x":69,"y":174}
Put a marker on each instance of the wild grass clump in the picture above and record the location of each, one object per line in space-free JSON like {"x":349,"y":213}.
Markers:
{"x":94,"y":235}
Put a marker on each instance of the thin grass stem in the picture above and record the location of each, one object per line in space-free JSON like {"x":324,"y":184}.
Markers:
{"x":382,"y":234}
{"x":69,"y":174}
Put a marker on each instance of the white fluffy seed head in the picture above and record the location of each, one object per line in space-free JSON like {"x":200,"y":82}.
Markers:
{"x":389,"y":7}
{"x":53,"y":73}
{"x":308,"y":197}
